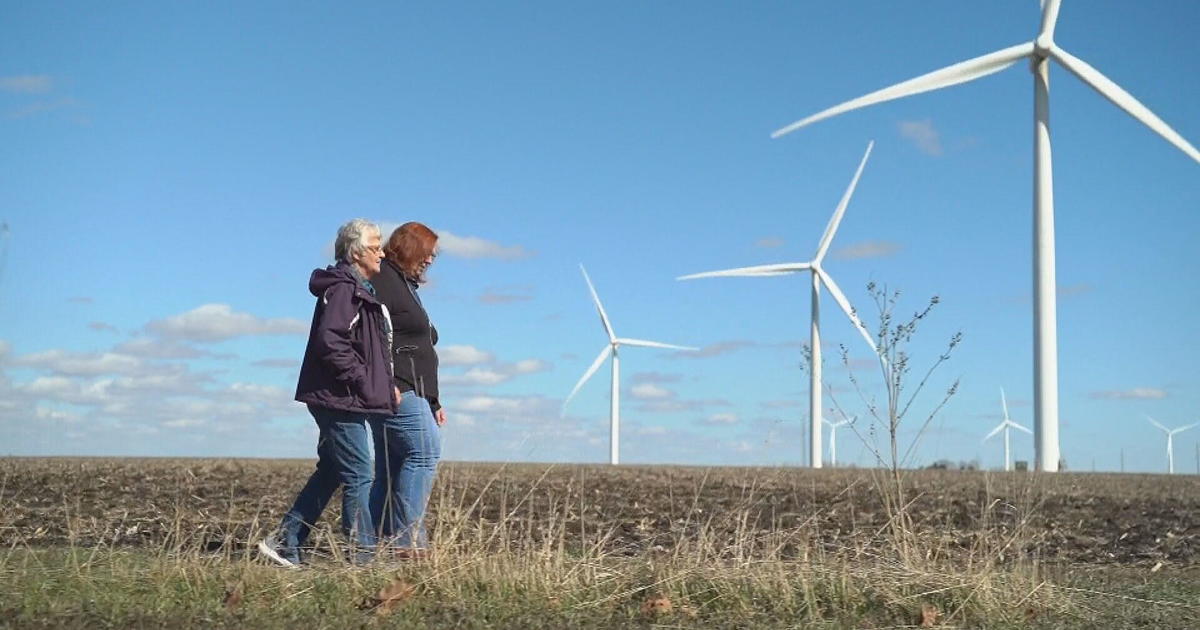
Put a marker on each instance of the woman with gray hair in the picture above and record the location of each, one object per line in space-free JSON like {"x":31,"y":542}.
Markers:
{"x":346,"y":381}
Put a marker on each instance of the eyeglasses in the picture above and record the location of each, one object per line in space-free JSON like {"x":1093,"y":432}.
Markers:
{"x":375,"y":249}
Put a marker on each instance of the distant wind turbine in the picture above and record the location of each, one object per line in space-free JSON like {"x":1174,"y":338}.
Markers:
{"x":1171,"y":441}
{"x":1005,"y":425}
{"x":1040,"y":51}
{"x":833,"y":427}
{"x":819,"y":277}
{"x":610,"y":349}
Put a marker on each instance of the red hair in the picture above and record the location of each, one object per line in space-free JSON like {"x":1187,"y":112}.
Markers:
{"x":409,"y":246}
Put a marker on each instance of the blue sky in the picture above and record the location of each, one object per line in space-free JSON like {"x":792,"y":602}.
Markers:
{"x":173,"y":172}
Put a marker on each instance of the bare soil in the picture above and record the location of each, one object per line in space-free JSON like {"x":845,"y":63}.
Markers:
{"x":1068,"y":518}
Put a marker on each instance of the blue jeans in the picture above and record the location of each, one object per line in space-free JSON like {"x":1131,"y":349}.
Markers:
{"x":407,"y":448}
{"x":343,"y":458}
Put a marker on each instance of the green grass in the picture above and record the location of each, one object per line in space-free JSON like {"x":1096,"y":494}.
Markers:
{"x":132,"y":588}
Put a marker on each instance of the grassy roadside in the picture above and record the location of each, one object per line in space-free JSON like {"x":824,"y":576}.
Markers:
{"x":132,"y":588}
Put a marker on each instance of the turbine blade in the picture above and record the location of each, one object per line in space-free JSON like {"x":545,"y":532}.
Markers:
{"x":1004,"y":403}
{"x":586,"y":375}
{"x":1049,"y":19}
{"x":779,"y":269}
{"x":1155,"y":423}
{"x":1119,"y":97}
{"x":840,"y":298}
{"x":962,"y":72}
{"x":599,"y":307}
{"x":836,"y":219}
{"x":994,"y":432}
{"x":1184,"y":428}
{"x":1019,"y":427}
{"x":652,"y":344}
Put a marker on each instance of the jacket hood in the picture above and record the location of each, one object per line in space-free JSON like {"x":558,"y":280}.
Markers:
{"x":322,"y":279}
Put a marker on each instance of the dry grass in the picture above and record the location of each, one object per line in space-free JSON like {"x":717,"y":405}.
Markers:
{"x":166,"y":543}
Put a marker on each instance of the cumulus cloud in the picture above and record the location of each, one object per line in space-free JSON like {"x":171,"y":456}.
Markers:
{"x":80,"y":363}
{"x":463,"y":355}
{"x":476,"y":376}
{"x":922,"y":134}
{"x":650,"y":391}
{"x":1130,"y":394}
{"x":149,"y":348}
{"x":27,"y":84}
{"x":218,"y":322}
{"x":494,"y":374}
{"x":720,"y":419}
{"x":867,"y":249}
{"x":475,"y":247}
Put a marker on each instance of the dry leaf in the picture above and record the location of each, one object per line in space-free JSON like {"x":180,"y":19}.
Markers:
{"x":390,"y":596}
{"x":233,"y":597}
{"x":929,"y":615}
{"x":656,"y":605}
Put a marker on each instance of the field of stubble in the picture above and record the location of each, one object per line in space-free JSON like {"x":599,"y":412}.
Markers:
{"x":679,"y":522}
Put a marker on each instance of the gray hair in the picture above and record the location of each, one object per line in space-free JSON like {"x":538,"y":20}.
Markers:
{"x":352,"y":239}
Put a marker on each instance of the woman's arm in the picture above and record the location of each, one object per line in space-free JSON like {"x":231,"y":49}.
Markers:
{"x":332,"y":336}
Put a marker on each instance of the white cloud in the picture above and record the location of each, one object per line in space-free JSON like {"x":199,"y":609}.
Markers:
{"x":27,"y":84}
{"x":530,"y":366}
{"x":923,"y":135}
{"x":159,"y":349}
{"x":720,"y":419}
{"x":78,"y":363}
{"x":650,"y":391}
{"x":867,"y":249}
{"x":462,"y":355}
{"x":476,"y":247}
{"x":1130,"y":394}
{"x":218,"y":322}
{"x":478,"y":376}
{"x":183,"y":423}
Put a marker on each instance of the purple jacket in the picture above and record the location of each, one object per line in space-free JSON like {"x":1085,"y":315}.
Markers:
{"x":347,"y":364}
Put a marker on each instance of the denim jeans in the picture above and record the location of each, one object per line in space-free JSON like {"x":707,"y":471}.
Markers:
{"x":407,"y":448}
{"x":343,"y":458}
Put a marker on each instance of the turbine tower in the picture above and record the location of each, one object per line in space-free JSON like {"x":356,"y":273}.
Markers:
{"x":610,"y":349}
{"x":819,"y":277}
{"x":1005,"y":426}
{"x":833,"y":427}
{"x":1170,"y":441}
{"x":1040,"y":51}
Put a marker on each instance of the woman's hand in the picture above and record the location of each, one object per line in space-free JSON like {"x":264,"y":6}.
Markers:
{"x":440,"y":416}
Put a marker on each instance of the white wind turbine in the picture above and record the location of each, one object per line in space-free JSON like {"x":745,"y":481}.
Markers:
{"x":819,"y":277}
{"x":1040,"y":51}
{"x":1005,"y":425}
{"x":611,"y":349}
{"x":1170,"y":441}
{"x":833,"y":427}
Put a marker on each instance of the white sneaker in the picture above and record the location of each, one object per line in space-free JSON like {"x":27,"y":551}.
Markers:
{"x":269,"y":547}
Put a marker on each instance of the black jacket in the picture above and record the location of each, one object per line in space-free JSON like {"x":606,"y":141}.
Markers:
{"x":415,"y":362}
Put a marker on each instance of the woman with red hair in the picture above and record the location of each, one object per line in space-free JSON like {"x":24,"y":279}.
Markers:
{"x":407,"y":444}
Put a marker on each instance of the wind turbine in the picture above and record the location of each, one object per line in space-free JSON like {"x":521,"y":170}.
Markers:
{"x":1005,"y":426}
{"x":1040,"y":51}
{"x":610,"y":349}
{"x":833,"y":427}
{"x":819,"y":277}
{"x":1170,"y":441}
